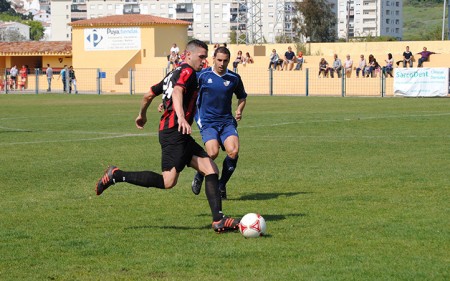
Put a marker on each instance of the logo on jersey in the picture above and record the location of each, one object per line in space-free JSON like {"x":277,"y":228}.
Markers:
{"x":226,"y":83}
{"x":209,"y":81}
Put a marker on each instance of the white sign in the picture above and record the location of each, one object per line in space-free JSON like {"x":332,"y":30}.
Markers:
{"x":112,"y":39}
{"x":421,"y":82}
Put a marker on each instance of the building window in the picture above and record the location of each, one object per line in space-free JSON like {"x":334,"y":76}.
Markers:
{"x":387,"y":21}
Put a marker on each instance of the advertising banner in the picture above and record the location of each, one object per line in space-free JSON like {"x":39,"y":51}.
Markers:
{"x":112,"y":39}
{"x":421,"y":82}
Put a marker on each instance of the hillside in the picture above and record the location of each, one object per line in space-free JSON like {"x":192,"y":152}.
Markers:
{"x":423,"y":22}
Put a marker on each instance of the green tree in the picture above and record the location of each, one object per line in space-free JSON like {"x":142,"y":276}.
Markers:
{"x":36,"y":30}
{"x":315,"y":21}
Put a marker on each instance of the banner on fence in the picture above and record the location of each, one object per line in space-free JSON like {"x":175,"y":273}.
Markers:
{"x":421,"y":82}
{"x":112,"y":39}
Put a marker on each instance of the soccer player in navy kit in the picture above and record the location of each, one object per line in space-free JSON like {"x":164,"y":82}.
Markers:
{"x":180,"y":90}
{"x":214,"y":116}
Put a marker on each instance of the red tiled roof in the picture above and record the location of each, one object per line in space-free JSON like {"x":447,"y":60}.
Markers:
{"x":127,"y":20}
{"x":36,"y":48}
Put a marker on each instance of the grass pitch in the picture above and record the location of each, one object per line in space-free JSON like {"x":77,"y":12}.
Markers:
{"x":351,"y":189}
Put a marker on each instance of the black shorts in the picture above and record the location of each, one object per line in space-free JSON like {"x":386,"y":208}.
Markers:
{"x":178,"y":149}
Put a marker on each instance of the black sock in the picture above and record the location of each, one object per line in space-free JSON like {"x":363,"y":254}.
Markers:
{"x":229,"y":165}
{"x":213,"y":195}
{"x":144,"y":178}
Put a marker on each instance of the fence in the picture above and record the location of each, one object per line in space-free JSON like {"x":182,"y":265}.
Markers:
{"x":257,"y":81}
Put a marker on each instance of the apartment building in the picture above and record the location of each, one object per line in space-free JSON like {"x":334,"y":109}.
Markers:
{"x":253,"y":21}
{"x":361,"y":18}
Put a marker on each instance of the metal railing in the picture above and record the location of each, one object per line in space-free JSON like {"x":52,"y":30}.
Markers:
{"x":257,"y":81}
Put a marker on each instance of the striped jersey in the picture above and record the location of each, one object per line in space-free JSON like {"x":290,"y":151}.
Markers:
{"x":215,"y":96}
{"x":185,"y":77}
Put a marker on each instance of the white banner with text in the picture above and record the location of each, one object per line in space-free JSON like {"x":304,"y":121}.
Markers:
{"x":112,"y":39}
{"x":421,"y":82}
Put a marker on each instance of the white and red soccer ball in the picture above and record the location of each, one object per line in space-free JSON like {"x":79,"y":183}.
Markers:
{"x":252,"y":225}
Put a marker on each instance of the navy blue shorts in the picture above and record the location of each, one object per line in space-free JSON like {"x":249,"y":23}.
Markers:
{"x":219,"y":132}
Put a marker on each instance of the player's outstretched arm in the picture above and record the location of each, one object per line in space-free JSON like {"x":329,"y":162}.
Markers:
{"x":145,"y":103}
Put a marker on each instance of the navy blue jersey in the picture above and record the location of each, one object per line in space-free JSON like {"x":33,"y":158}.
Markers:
{"x":215,"y":96}
{"x":183,"y":76}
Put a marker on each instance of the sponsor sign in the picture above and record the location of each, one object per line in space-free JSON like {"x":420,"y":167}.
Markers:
{"x":421,"y":82}
{"x":112,"y":39}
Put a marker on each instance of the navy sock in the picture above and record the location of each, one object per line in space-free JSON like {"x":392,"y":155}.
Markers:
{"x":144,"y":178}
{"x":213,"y":195}
{"x":229,"y":165}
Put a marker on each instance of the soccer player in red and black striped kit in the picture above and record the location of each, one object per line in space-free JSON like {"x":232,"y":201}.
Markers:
{"x":179,"y":89}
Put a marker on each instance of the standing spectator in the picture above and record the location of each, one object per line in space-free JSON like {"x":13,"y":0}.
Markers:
{"x":49,"y":74}
{"x":407,"y":57}
{"x":323,"y":67}
{"x":337,"y":67}
{"x":348,"y":65}
{"x":289,"y":57}
{"x":175,"y":49}
{"x":13,"y":72}
{"x":361,"y":67}
{"x":387,"y":70}
{"x":425,"y":56}
{"x":300,"y":61}
{"x":23,"y":73}
{"x":72,"y":80}
{"x":274,"y":58}
{"x":237,"y":61}
{"x":179,"y":149}
{"x":63,"y":75}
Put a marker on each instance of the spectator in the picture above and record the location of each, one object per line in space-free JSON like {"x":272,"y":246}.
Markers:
{"x":372,"y":68}
{"x":337,"y":67}
{"x":274,"y":58}
{"x":23,"y":73}
{"x":425,"y":56}
{"x":361,"y":67}
{"x":289,"y":57}
{"x":49,"y":74}
{"x":173,"y":60}
{"x":323,"y":67}
{"x":348,"y":65}
{"x":387,"y":70}
{"x":237,"y":61}
{"x":300,"y":61}
{"x":63,"y":75}
{"x":175,"y":49}
{"x":13,"y":72}
{"x":407,"y":57}
{"x":248,"y":58}
{"x":214,"y":49}
{"x":72,"y":80}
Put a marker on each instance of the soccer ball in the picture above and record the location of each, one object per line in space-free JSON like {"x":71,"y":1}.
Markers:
{"x":252,"y":225}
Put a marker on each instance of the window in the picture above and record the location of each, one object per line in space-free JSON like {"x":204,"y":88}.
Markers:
{"x":388,"y":12}
{"x":387,"y":21}
{"x":110,"y":6}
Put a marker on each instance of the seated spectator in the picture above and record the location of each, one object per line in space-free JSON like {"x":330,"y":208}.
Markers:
{"x":300,"y":61}
{"x":361,"y":67}
{"x":348,"y":65}
{"x":337,"y":67}
{"x":237,"y":61}
{"x":323,"y":67}
{"x":248,"y":58}
{"x":173,"y":60}
{"x":274,"y":58}
{"x":289,"y":57}
{"x":387,"y":70}
{"x":407,"y":58}
{"x":425,"y":56}
{"x":372,"y":68}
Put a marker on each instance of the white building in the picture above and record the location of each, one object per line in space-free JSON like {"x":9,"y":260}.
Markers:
{"x":361,"y":18}
{"x":14,"y":29}
{"x":259,"y":20}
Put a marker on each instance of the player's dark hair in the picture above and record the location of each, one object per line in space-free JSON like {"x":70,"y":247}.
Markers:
{"x":222,"y":50}
{"x":196,"y":44}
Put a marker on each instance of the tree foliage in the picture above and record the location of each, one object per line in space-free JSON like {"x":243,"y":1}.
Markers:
{"x":315,"y":21}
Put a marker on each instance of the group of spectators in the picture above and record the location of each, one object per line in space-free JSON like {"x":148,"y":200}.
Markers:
{"x":17,"y":79}
{"x":370,"y":68}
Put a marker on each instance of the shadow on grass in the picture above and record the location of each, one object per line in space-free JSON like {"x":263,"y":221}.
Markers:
{"x":269,"y":196}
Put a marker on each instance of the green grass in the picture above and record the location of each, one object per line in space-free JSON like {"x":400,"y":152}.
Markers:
{"x":421,"y":21}
{"x":351,"y":189}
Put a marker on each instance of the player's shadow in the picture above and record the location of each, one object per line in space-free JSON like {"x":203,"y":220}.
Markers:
{"x":269,"y":196}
